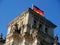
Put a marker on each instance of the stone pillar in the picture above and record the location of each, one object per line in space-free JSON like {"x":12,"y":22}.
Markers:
{"x":23,"y":42}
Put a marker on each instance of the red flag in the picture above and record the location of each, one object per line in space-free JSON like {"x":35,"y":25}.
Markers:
{"x":36,"y":9}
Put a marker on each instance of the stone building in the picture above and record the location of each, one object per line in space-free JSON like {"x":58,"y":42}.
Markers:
{"x":30,"y":28}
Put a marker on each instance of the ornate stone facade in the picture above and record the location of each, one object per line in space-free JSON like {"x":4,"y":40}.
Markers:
{"x":30,"y":28}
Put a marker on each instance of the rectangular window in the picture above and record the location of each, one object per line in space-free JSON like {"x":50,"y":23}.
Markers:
{"x":46,"y":30}
{"x":34,"y":24}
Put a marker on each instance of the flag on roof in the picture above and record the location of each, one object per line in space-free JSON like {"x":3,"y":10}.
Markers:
{"x":36,"y":9}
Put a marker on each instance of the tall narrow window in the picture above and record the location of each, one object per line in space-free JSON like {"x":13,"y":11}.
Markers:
{"x":40,"y":25}
{"x":34,"y":21}
{"x":34,"y":25}
{"x":46,"y":30}
{"x":16,"y":26}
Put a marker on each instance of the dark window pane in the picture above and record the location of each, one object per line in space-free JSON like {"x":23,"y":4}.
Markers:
{"x":46,"y":30}
{"x":34,"y":25}
{"x":40,"y":25}
{"x":34,"y":21}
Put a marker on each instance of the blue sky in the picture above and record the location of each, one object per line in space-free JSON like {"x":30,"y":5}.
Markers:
{"x":9,"y":9}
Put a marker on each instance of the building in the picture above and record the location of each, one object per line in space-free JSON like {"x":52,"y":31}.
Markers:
{"x":2,"y":41}
{"x":30,"y":28}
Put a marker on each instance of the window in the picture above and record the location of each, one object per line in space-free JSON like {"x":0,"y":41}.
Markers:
{"x":46,"y":30}
{"x":23,"y":26}
{"x":34,"y":25}
{"x":34,"y":21}
{"x":40,"y":25}
{"x":19,"y":30}
{"x":40,"y":28}
{"x":16,"y":26}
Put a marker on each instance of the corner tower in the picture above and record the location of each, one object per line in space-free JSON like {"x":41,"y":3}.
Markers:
{"x":30,"y":28}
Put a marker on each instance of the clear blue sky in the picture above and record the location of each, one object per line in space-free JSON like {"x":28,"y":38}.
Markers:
{"x":9,"y":9}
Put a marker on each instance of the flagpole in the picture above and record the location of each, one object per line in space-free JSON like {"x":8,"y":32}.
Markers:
{"x":32,"y":6}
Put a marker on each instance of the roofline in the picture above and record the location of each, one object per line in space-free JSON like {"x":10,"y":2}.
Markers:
{"x":32,"y":11}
